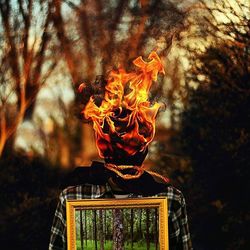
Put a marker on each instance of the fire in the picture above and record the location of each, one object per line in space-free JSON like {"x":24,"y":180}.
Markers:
{"x":125,"y":120}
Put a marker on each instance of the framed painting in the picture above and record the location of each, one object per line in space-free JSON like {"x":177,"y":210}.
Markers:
{"x":118,"y":224}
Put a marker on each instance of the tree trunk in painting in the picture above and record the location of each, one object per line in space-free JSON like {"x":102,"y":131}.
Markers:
{"x":108,"y":219}
{"x":156,"y":229}
{"x":104,"y":225}
{"x":86,"y":228}
{"x":132,"y":227}
{"x":101,"y":231}
{"x":147,"y":228}
{"x":118,"y":237}
{"x":90,"y":228}
{"x":140,"y":220}
{"x":81,"y":230}
{"x":95,"y":229}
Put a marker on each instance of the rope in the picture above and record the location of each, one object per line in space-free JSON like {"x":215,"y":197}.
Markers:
{"x":139,"y":171}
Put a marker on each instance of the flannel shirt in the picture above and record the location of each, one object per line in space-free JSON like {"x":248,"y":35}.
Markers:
{"x":179,"y":236}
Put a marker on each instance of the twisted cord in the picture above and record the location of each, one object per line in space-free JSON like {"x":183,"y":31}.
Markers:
{"x":139,"y":171}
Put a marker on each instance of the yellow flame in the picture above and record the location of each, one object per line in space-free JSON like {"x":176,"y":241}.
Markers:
{"x":125,"y":120}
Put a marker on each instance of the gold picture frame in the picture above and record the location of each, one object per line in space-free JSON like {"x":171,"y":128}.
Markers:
{"x":133,"y":205}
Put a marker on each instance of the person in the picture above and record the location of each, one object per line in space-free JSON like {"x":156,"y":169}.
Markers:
{"x":103,"y":183}
{"x":124,"y":124}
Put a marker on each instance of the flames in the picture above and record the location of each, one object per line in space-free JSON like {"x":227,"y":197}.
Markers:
{"x":124,"y":123}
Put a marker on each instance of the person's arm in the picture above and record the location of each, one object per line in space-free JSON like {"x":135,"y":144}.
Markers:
{"x":58,"y":229}
{"x":179,"y":236}
{"x":185,"y":239}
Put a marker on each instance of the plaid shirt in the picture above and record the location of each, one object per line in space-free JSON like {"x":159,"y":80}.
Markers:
{"x":179,"y":236}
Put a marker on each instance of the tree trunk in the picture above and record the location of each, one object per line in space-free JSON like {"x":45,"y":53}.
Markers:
{"x":140,"y":220}
{"x":64,"y":150}
{"x":105,"y":225}
{"x":101,"y":231}
{"x":31,"y":94}
{"x":156,"y":229}
{"x":88,"y":147}
{"x":91,"y":226}
{"x":8,"y":146}
{"x":86,"y":227}
{"x":95,"y":229}
{"x":147,"y":228}
{"x":132,"y":227}
{"x":81,"y":230}
{"x":118,"y":237}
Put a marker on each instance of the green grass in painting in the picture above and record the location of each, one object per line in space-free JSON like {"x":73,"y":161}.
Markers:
{"x":108,"y":245}
{"x":91,"y":245}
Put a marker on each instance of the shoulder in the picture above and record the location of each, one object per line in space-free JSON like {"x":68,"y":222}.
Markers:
{"x":172,"y":193}
{"x":84,"y":191}
{"x":174,"y":196}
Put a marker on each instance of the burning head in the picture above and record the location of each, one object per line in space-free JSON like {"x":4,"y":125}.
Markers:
{"x":124,"y":120}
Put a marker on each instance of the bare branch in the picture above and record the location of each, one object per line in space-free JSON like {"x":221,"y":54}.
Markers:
{"x":13,"y":55}
{"x":65,"y":42}
{"x":48,"y":73}
{"x":21,"y":60}
{"x":87,"y":38}
{"x":41,"y":52}
{"x":27,"y":21}
{"x":121,"y":6}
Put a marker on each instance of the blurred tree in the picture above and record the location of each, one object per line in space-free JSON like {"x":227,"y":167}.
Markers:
{"x":165,"y":155}
{"x":100,"y":34}
{"x":215,"y":129}
{"x":26,"y":62}
{"x":97,"y":35}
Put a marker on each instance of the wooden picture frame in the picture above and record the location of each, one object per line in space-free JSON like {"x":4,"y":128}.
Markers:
{"x":156,"y":207}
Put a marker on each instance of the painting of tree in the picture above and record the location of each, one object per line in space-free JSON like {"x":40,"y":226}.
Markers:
{"x":133,"y":228}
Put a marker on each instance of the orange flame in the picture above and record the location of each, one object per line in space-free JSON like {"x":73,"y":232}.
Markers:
{"x":125,"y":120}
